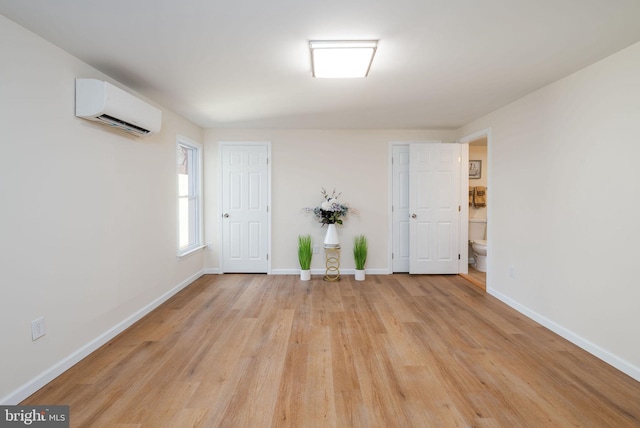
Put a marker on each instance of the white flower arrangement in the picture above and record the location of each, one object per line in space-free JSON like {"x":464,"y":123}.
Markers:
{"x":330,"y":210}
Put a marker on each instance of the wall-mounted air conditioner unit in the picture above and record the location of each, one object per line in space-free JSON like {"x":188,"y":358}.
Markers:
{"x":102,"y":102}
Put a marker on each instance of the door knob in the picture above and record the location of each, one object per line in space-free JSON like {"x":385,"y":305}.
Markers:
{"x":225,"y":215}
{"x":413,"y":216}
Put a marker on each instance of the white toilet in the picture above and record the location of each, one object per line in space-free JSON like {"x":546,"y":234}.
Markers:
{"x":478,"y":242}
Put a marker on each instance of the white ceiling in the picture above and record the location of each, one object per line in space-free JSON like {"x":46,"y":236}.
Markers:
{"x":245,"y":63}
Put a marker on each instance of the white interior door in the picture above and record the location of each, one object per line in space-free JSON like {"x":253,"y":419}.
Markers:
{"x":400,"y":208}
{"x":434,"y":193}
{"x":245,"y":208}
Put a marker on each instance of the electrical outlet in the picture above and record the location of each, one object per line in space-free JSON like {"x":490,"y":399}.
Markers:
{"x":512,"y":272}
{"x":315,"y":249}
{"x":37,"y":328}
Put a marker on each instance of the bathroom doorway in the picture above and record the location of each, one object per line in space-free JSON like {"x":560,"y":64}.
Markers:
{"x":479,"y":207}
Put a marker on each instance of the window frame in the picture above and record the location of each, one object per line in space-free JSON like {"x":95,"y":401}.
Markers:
{"x":194,"y":193}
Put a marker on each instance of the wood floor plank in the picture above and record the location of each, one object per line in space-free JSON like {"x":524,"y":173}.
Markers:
{"x":291,"y":393}
{"x":393,"y":351}
{"x":319,"y":391}
{"x":218,"y":363}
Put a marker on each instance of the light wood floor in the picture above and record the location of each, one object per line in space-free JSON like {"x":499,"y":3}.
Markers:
{"x":392,"y":351}
{"x":477,"y":278}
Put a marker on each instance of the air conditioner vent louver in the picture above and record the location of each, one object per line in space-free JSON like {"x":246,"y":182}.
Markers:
{"x":102,"y":102}
{"x":122,"y":125}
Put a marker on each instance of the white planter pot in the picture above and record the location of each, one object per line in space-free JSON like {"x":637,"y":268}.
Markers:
{"x":331,"y":239}
{"x":359,"y":275}
{"x":305,"y":275}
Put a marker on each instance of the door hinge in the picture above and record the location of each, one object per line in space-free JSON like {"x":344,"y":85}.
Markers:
{"x":267,"y":208}
{"x":458,"y":256}
{"x":393,"y":256}
{"x":459,"y":208}
{"x":268,"y":256}
{"x":267,"y":161}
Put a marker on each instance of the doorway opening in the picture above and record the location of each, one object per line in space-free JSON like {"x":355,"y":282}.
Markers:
{"x":479,"y":208}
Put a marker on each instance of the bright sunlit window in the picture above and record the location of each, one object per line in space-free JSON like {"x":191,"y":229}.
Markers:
{"x":189,"y":196}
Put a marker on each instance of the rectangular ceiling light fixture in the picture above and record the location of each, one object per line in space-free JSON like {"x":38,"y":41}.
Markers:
{"x":342,"y":59}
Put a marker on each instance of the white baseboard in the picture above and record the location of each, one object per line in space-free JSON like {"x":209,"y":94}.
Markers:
{"x":577,"y":340}
{"x":323,"y":271}
{"x":211,"y":271}
{"x":376,"y":272}
{"x":57,"y":369}
{"x":287,"y":272}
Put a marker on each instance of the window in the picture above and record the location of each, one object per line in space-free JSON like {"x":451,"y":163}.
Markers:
{"x":189,"y":196}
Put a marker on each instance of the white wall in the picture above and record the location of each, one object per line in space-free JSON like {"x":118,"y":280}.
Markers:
{"x":564,"y":207}
{"x":88,"y":218}
{"x":354,"y":162}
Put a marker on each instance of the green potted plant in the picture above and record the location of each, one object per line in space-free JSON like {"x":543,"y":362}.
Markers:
{"x":305,"y":252}
{"x":360,"y":248}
